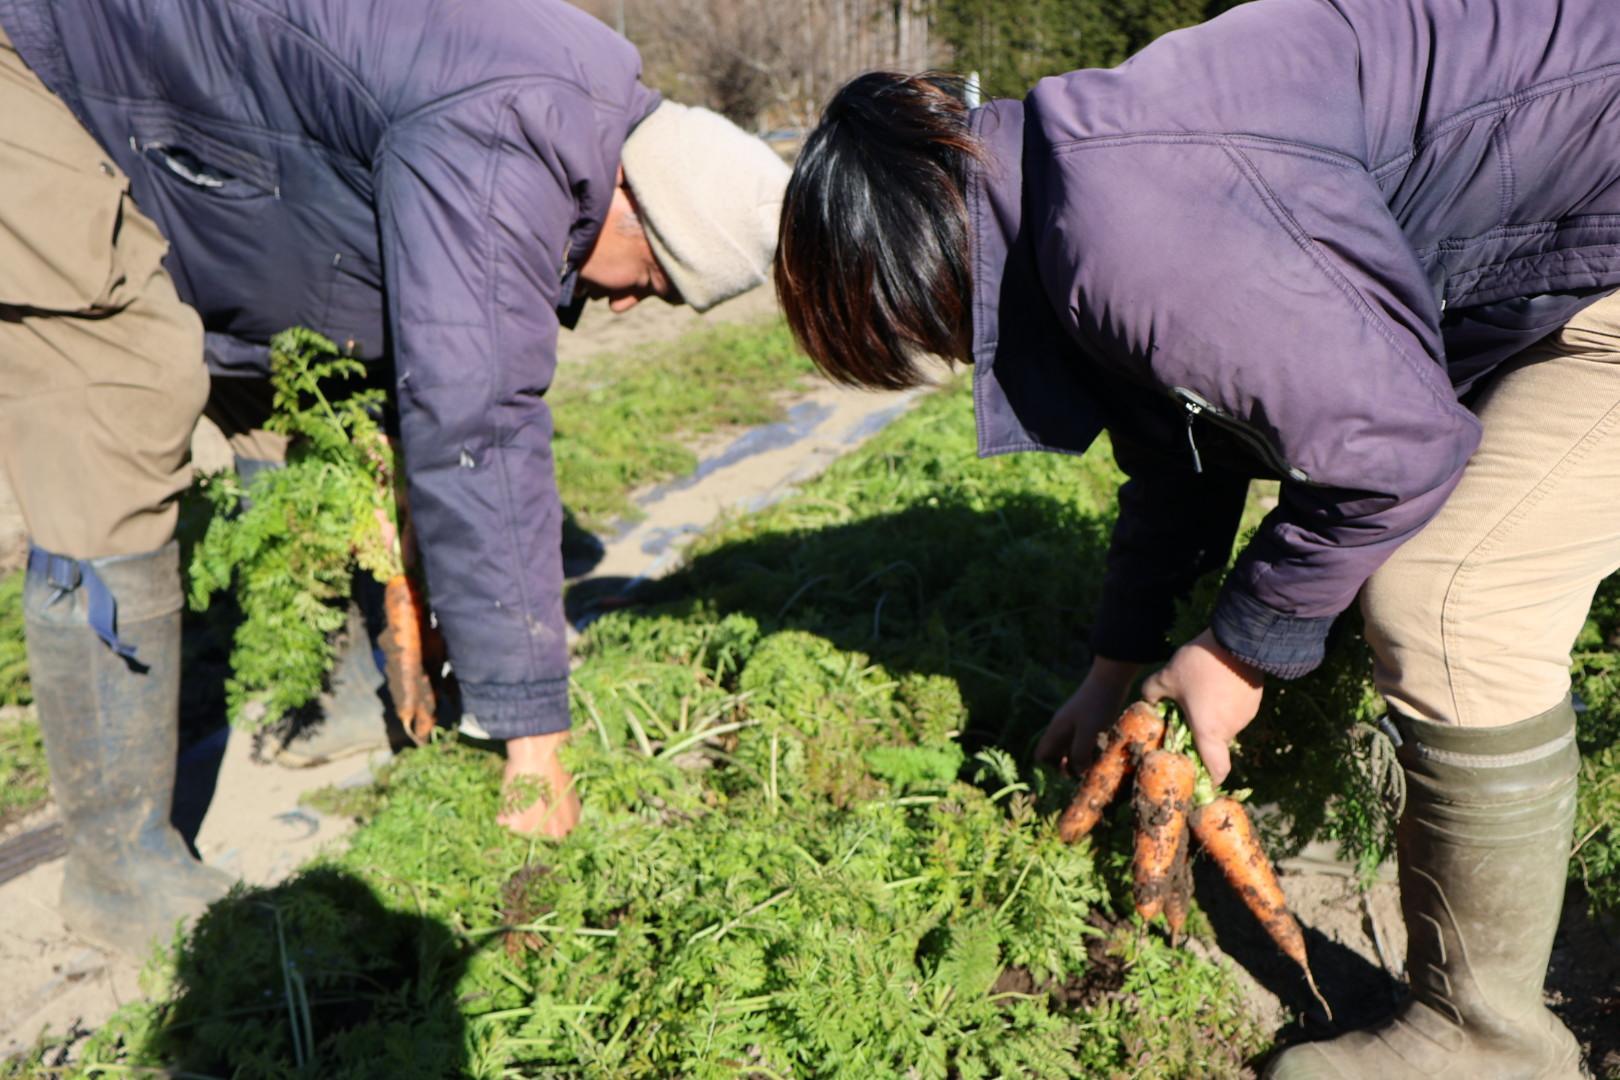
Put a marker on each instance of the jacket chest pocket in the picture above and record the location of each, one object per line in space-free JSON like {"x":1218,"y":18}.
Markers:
{"x":201,"y":164}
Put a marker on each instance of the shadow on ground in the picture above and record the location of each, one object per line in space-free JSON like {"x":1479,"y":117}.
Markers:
{"x":999,"y":598}
{"x":313,"y":977}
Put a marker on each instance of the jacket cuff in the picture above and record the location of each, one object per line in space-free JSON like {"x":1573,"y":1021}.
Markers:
{"x":516,"y":710}
{"x":1287,"y":646}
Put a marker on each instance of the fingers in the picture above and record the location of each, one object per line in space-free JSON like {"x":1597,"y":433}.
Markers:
{"x":1155,"y":688}
{"x":1082,"y":750}
{"x":1213,"y":750}
{"x":1054,"y":741}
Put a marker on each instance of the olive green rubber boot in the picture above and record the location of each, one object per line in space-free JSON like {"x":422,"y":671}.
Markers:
{"x":1483,"y":849}
{"x":111,"y":728}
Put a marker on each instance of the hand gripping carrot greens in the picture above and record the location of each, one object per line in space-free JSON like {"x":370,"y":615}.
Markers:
{"x":1174,"y":796}
{"x":1139,"y":729}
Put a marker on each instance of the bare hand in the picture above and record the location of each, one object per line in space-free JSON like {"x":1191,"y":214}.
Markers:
{"x":1218,"y":695}
{"x":1070,"y":740}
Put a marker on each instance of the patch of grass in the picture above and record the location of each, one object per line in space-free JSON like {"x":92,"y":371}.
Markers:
{"x":1597,"y":684}
{"x":357,"y":802}
{"x":623,"y":422}
{"x":14,"y":688}
{"x":24,"y":778}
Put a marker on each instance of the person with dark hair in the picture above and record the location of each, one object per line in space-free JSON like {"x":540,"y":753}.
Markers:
{"x":436,"y":187}
{"x":1364,"y":247}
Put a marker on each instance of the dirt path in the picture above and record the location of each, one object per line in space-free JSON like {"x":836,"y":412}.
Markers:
{"x":601,"y":331}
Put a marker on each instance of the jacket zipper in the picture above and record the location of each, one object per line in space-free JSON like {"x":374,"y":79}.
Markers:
{"x":1197,"y":406}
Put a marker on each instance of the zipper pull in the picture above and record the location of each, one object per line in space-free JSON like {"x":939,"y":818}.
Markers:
{"x":1192,"y":412}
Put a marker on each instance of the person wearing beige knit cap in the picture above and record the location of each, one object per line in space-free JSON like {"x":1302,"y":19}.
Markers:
{"x":692,"y":219}
{"x":694,"y":215}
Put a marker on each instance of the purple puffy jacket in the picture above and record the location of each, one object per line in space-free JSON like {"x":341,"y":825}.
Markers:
{"x":1284,"y":242}
{"x":418,"y":181}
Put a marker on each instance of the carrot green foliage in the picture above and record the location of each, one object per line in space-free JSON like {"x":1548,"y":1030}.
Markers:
{"x":809,"y":848}
{"x":288,"y":543}
{"x":801,"y":854}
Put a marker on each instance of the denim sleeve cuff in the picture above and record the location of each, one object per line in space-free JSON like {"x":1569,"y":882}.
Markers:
{"x":1287,"y":646}
{"x":516,"y":710}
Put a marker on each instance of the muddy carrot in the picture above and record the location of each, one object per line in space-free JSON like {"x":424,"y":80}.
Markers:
{"x":402,"y":643}
{"x":1224,"y":830}
{"x":1139,"y":729}
{"x":1164,"y":790}
{"x":1178,"y":901}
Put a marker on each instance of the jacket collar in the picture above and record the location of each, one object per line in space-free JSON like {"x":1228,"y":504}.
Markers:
{"x":1029,"y":378}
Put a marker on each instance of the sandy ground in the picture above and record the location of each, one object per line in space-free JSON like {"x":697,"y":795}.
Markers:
{"x":601,"y":331}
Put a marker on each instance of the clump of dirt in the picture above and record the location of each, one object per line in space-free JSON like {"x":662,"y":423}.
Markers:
{"x":519,"y":908}
{"x":1105,"y":973}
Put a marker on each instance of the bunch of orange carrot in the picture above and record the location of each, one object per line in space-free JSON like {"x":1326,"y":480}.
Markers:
{"x":1174,"y":798}
{"x":413,"y":650}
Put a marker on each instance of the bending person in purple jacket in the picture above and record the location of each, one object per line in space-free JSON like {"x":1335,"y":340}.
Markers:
{"x":436,"y":187}
{"x":1361,"y":246}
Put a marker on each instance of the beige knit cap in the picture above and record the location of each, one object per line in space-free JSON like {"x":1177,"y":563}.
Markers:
{"x":710,"y":196}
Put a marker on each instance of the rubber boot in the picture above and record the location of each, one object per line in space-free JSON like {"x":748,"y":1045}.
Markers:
{"x":349,"y":718}
{"x":111,"y":728}
{"x":1483,"y":849}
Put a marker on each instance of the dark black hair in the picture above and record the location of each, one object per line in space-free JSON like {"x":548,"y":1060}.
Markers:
{"x":873,"y":262}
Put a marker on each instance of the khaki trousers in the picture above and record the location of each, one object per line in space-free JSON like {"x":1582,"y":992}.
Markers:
{"x":101,"y":364}
{"x":1472,"y":621}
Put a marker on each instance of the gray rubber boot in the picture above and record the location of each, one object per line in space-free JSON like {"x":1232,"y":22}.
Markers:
{"x":111,"y":729}
{"x":349,"y":718}
{"x":1483,"y":851}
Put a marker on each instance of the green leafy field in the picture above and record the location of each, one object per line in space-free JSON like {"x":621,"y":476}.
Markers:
{"x":813,"y":846}
{"x":783,"y":871}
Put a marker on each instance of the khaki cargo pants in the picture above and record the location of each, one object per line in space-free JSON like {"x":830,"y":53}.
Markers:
{"x":1472,"y":621}
{"x":101,"y":364}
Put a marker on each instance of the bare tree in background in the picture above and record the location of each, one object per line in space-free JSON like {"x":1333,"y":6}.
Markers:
{"x":769,"y":63}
